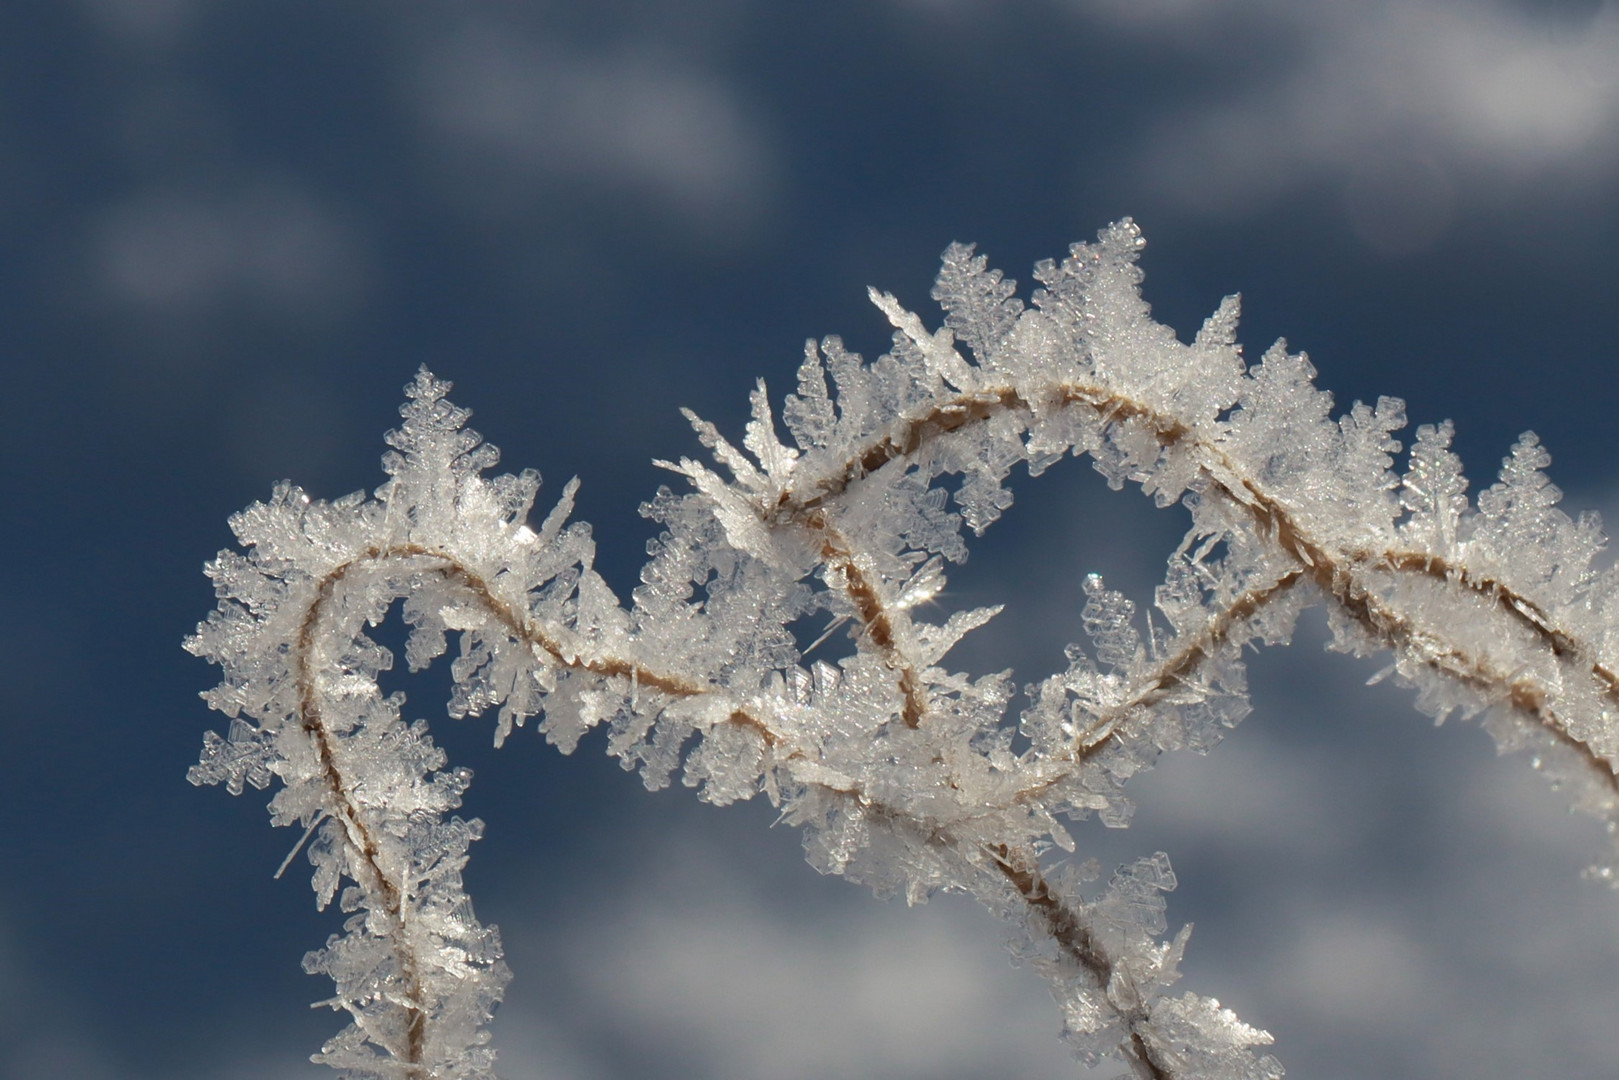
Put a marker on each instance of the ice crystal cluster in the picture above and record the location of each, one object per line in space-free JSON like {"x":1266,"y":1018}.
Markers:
{"x":903,"y":774}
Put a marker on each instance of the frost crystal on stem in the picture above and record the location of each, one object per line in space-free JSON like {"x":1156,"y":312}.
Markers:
{"x":904,"y":775}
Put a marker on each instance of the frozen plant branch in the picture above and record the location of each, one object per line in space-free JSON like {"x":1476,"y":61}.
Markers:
{"x":904,"y":775}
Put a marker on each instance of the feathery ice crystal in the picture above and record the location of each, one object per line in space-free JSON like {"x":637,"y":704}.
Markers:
{"x":903,"y":775}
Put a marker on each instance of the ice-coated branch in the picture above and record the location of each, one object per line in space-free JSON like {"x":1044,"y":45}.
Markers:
{"x":904,"y":775}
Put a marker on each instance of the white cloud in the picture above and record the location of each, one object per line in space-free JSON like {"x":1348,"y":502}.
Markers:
{"x":1361,"y":969}
{"x":1405,"y":104}
{"x":635,"y":117}
{"x":270,"y":244}
{"x":701,"y":963}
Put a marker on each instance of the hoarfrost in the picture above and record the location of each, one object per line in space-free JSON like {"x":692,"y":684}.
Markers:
{"x":903,"y":775}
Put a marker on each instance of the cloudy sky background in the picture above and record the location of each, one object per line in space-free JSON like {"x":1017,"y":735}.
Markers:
{"x":231,"y":232}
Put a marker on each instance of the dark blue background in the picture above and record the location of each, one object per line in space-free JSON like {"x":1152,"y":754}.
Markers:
{"x":229,"y":233}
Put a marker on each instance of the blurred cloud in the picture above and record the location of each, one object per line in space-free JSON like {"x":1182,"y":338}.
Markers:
{"x":1359,"y":969}
{"x":267,"y":245}
{"x":633,"y":117}
{"x":1405,"y":104}
{"x":1272,"y":798}
{"x":707,"y":965}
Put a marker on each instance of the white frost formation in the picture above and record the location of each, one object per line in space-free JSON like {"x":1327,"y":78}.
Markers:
{"x":903,"y":774}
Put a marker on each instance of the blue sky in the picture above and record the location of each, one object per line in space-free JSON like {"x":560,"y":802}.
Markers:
{"x":232,"y":232}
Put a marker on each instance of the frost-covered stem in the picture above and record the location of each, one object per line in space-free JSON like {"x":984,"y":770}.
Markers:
{"x":905,"y":776}
{"x":560,"y":652}
{"x":1273,"y":522}
{"x":390,"y":895}
{"x":905,"y":438}
{"x":876,"y":622}
{"x":1180,"y":665}
{"x":1525,"y":693}
{"x":878,"y":626}
{"x":1077,"y":940}
{"x":1068,"y":927}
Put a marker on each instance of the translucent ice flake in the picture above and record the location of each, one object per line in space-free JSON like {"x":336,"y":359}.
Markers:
{"x":1107,"y":617}
{"x":1433,"y":492}
{"x":728,"y":763}
{"x":980,"y":305}
{"x":982,"y":496}
{"x":1521,"y":538}
{"x":810,"y":415}
{"x":1196,"y":1036}
{"x":1366,"y":505}
{"x":246,"y":755}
